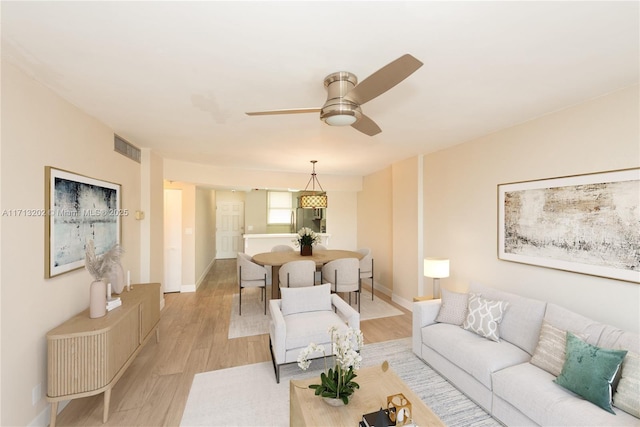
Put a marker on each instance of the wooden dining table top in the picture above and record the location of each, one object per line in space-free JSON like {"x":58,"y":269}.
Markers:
{"x":320,"y":257}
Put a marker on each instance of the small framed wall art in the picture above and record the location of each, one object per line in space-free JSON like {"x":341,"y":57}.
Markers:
{"x":587,"y":224}
{"x":78,"y":209}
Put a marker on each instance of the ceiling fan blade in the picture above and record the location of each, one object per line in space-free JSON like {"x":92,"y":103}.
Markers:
{"x":366,"y":126}
{"x":287,"y":111}
{"x":384,"y":79}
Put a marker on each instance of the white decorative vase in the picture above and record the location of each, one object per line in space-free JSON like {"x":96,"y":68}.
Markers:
{"x":332,"y":401}
{"x":97,"y":299}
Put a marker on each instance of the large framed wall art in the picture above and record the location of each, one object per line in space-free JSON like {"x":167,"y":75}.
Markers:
{"x":78,"y":209}
{"x":587,"y":224}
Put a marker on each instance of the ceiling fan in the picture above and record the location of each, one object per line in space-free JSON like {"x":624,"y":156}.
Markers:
{"x":345,"y":95}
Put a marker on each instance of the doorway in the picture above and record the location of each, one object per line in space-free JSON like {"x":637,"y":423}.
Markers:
{"x":229,"y":229}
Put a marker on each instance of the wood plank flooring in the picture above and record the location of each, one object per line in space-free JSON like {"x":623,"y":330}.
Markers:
{"x":193,"y":339}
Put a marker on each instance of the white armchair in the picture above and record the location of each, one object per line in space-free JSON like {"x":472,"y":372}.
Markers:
{"x":302,"y":316}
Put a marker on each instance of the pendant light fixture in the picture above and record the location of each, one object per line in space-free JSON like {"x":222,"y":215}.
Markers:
{"x":316,"y":199}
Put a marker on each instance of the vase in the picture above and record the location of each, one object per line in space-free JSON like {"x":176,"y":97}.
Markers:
{"x":306,"y":250}
{"x":334,"y":401}
{"x":97,"y":299}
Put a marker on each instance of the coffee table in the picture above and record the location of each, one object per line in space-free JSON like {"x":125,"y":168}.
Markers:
{"x":307,"y":409}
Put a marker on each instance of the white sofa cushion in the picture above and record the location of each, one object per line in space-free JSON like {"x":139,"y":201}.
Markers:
{"x":477,"y":356}
{"x":567,"y":320}
{"x":523,"y":319}
{"x":312,"y":326}
{"x":533,"y":392}
{"x":309,"y":298}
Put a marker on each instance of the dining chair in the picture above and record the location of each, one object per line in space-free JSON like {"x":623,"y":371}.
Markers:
{"x":366,"y":266}
{"x":344,"y":276}
{"x":297,"y":274}
{"x":281,"y":248}
{"x":251,"y":275}
{"x":319,"y":248}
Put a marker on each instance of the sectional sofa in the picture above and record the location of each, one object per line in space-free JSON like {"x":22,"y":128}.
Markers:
{"x":512,"y":367}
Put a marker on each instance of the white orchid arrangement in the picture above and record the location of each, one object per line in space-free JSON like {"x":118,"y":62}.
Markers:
{"x":100,"y":266}
{"x":337,"y":382}
{"x":306,"y":237}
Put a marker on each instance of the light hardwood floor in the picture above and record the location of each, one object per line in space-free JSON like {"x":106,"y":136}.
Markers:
{"x":193,"y":339}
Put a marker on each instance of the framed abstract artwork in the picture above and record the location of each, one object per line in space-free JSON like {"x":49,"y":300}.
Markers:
{"x":78,"y":209}
{"x":587,"y":224}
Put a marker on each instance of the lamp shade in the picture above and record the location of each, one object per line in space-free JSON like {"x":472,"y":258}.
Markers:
{"x":313,"y":201}
{"x":436,"y":268}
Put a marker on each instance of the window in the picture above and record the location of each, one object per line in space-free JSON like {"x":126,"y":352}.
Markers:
{"x":279,"y":207}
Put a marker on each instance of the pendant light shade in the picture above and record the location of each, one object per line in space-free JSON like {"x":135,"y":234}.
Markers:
{"x":316,"y":199}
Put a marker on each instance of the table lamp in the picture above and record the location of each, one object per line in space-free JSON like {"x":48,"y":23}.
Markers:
{"x":436,"y":268}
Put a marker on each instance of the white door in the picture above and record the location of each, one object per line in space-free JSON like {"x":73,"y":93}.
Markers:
{"x":172,"y":240}
{"x":229,"y":229}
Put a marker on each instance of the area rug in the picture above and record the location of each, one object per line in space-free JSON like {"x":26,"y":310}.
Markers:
{"x":249,"y":396}
{"x":254,"y":322}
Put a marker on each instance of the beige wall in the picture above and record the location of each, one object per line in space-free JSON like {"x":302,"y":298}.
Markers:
{"x":205,"y":232}
{"x":375,"y":225}
{"x":255,"y":212}
{"x":460,"y":189}
{"x":152,"y":226}
{"x":40,"y":129}
{"x":406,"y":238}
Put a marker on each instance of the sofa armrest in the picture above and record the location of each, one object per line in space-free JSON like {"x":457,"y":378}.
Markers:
{"x":345,"y":311}
{"x":424,"y":313}
{"x":277,"y":330}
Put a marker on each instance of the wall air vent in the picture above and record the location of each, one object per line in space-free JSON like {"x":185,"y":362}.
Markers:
{"x":125,"y":148}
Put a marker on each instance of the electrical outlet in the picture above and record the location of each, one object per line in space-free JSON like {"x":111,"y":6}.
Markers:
{"x":36,"y":394}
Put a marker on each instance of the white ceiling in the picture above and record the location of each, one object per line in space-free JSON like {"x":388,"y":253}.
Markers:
{"x":178,"y":76}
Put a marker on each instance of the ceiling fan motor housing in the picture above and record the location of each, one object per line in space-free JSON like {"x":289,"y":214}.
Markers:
{"x":338,"y":111}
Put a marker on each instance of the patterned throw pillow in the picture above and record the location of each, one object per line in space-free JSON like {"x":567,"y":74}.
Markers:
{"x":589,"y":371}
{"x":550,"y":352}
{"x":453,"y":308}
{"x":484,"y":316}
{"x":627,"y":395}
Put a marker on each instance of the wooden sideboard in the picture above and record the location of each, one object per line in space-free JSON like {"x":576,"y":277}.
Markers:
{"x":88,"y":356}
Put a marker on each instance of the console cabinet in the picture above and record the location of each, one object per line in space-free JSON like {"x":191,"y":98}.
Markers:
{"x":88,"y":356}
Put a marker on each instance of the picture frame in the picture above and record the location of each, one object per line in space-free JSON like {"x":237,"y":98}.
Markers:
{"x":78,"y":208}
{"x":585,"y":224}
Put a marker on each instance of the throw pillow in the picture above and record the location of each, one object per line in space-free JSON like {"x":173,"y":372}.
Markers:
{"x":627,"y":395}
{"x":484,"y":316}
{"x":589,"y":371}
{"x":302,"y":300}
{"x":550,"y":353}
{"x":453,"y":308}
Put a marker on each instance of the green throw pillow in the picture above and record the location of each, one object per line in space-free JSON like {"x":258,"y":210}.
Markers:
{"x":588,"y":371}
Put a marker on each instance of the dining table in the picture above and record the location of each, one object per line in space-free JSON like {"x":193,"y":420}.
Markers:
{"x":278,"y":259}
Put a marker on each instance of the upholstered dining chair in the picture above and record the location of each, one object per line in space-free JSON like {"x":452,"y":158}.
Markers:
{"x":251,"y":275}
{"x":276,"y":248}
{"x":319,"y":247}
{"x":344,"y":276}
{"x":302,"y":316}
{"x":366,"y":266}
{"x":296,"y":274}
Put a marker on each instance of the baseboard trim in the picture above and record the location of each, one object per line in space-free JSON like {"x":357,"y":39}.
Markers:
{"x":188,"y":288}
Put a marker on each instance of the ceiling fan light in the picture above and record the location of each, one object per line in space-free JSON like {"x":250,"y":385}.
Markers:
{"x":341,"y":120}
